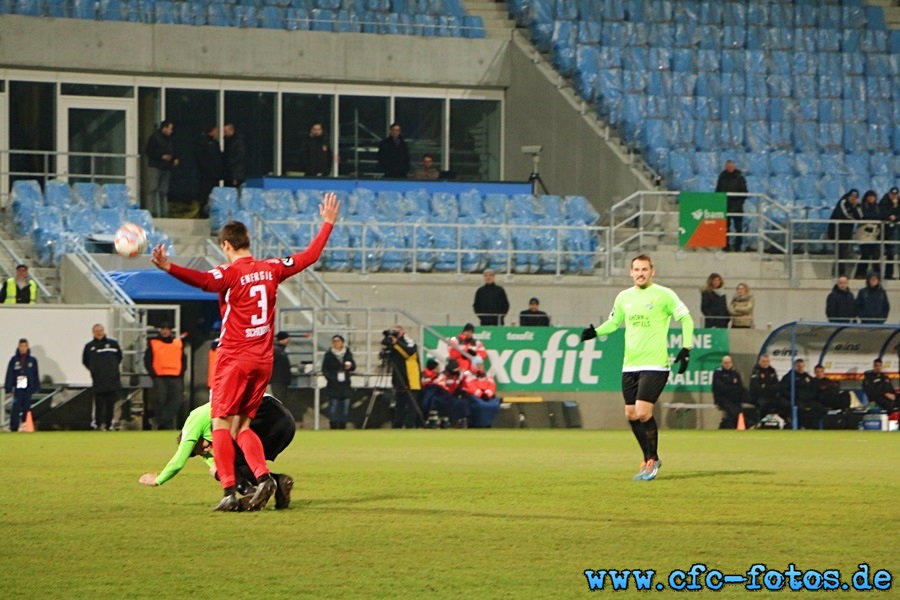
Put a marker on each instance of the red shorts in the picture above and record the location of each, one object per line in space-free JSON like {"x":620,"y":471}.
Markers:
{"x":238,"y":386}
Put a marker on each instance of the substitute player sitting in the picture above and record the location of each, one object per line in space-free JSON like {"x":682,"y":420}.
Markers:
{"x":273,"y":423}
{"x":646,"y":310}
{"x":246,"y":288}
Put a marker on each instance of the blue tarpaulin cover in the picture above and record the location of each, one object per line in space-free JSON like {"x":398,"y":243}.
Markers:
{"x":157,"y":286}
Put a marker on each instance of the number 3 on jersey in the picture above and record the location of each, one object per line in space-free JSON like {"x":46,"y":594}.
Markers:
{"x":262,"y":316}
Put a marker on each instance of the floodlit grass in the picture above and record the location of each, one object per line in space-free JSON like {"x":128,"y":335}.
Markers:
{"x":442,"y":514}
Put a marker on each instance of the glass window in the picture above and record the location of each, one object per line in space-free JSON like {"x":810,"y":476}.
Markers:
{"x":190,"y":112}
{"x":363,"y":123}
{"x":299,"y":112}
{"x":32,"y":128}
{"x":475,"y":139}
{"x":422,"y":123}
{"x":97,"y":131}
{"x":253,"y":116}
{"x":87,"y":89}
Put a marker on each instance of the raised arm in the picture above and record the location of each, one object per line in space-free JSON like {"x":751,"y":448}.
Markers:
{"x":328,"y":209}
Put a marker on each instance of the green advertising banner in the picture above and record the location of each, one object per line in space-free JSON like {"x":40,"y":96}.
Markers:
{"x":702,"y":221}
{"x":551,"y":359}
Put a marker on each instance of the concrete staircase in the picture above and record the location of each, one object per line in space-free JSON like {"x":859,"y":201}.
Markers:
{"x":891,"y":11}
{"x":189,"y":236}
{"x":22,"y":248}
{"x":495,"y":15}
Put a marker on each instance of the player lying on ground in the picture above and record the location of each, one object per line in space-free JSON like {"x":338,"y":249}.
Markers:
{"x":275,"y":427}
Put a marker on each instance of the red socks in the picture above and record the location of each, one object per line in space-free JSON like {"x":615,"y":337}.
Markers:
{"x":253,"y":451}
{"x":223,"y":453}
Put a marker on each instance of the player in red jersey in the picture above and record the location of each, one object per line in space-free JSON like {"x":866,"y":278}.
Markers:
{"x":246,"y":288}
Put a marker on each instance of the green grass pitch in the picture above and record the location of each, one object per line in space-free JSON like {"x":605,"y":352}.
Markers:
{"x":443,"y":514}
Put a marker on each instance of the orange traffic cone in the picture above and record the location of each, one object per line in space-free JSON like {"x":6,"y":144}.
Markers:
{"x":29,"y":423}
{"x":741,"y":425}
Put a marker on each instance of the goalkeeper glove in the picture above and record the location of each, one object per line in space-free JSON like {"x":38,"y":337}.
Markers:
{"x":588,"y":333}
{"x":683,"y":358}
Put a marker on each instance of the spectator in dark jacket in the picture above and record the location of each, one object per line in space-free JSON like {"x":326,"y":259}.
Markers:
{"x":732,"y":182}
{"x":764,"y":389}
{"x":337,"y":365}
{"x":209,"y":164}
{"x":281,"y":366}
{"x":533,"y":316}
{"x":840,"y":306}
{"x":828,"y":391}
{"x":869,"y":235}
{"x":22,"y":382}
{"x":315,"y":155}
{"x":889,"y":207}
{"x":235,"y":156}
{"x":713,"y":303}
{"x":102,"y":356}
{"x":841,"y":226}
{"x":393,"y":154}
{"x":161,"y":159}
{"x":810,"y":412}
{"x":879,"y":389}
{"x":491,"y":303}
{"x":872,"y":302}
{"x":728,"y":393}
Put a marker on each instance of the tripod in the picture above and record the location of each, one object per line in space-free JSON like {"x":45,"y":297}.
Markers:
{"x":388,"y":370}
{"x":535,"y":178}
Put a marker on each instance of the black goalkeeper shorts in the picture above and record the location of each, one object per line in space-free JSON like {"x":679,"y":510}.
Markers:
{"x":643,"y":385}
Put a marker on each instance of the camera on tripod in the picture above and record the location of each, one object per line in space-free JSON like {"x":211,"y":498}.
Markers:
{"x":387,"y":343}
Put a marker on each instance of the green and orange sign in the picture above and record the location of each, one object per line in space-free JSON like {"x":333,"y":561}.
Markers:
{"x":702,"y":222}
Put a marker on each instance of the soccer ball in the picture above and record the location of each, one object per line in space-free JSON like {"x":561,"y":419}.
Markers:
{"x":131,"y":240}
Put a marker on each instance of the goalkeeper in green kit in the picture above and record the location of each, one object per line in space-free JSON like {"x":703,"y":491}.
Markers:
{"x":646,"y":310}
{"x":273,"y":424}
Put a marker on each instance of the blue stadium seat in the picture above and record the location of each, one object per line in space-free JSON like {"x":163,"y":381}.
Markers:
{"x":219,"y":15}
{"x":880,"y":137}
{"x":253,"y":200}
{"x":497,"y":206}
{"x":279,"y":204}
{"x":296,"y":19}
{"x":192,"y":13}
{"x":525,"y":258}
{"x":108,"y":220}
{"x":338,"y":254}
{"x":470,"y":204}
{"x":881,"y":165}
{"x":140,"y":216}
{"x":223,"y":201}
{"x":444,"y":207}
{"x":830,"y":136}
{"x":116,"y":195}
{"x":25,"y":199}
{"x":807,"y":163}
{"x":853,"y":63}
{"x":552,"y":209}
{"x":87,"y":193}
{"x":83,"y":9}
{"x":421,"y":244}
{"x":80,"y":219}
{"x":272,"y":17}
{"x":830,"y":87}
{"x":756,"y":164}
{"x":57,"y":193}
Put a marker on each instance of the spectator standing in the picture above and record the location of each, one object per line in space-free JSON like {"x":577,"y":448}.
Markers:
{"x":879,"y":389}
{"x":235,"y":156}
{"x":315,"y":155}
{"x":841,"y":226}
{"x":427,"y":170}
{"x":337,"y":365}
{"x":809,"y":411}
{"x":872,"y":302}
{"x":19,"y":289}
{"x":713,"y":303}
{"x":728,"y":393}
{"x":281,"y":366}
{"x":868,"y":235}
{"x":764,"y":389}
{"x":890,"y":213}
{"x":161,"y":159}
{"x":393,"y":154}
{"x":209,"y":164}
{"x":732,"y":182}
{"x":840,"y":305}
{"x":102,"y":356}
{"x":828,"y":391}
{"x":22,"y":381}
{"x":164,"y":361}
{"x":741,"y":307}
{"x":533,"y":316}
{"x":491,"y":303}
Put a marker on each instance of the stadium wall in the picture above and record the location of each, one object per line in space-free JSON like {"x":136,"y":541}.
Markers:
{"x":180,"y":50}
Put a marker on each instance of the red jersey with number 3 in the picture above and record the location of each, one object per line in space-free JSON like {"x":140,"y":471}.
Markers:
{"x":247,"y":289}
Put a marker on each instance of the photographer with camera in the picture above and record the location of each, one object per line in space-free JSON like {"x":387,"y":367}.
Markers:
{"x":400,"y":354}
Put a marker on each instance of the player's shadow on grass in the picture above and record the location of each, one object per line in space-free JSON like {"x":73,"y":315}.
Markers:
{"x":717,"y":473}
